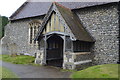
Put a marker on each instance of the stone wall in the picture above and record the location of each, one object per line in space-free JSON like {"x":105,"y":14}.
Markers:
{"x":102,"y":23}
{"x":77,"y":60}
{"x":16,"y":39}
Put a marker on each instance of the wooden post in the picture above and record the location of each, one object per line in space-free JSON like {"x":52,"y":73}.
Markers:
{"x":45,"y":53}
{"x":64,"y":49}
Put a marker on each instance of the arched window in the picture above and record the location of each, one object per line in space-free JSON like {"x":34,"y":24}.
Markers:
{"x":33,"y":29}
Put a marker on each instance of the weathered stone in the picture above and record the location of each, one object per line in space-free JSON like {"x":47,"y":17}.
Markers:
{"x":16,"y":39}
{"x":101,"y":22}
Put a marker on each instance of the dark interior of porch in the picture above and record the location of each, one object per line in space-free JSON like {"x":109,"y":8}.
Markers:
{"x":54,"y":51}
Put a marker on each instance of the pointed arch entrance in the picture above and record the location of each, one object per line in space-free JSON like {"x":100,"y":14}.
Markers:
{"x":54,"y":51}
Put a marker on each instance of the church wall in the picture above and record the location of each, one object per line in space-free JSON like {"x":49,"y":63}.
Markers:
{"x":102,"y":23}
{"x":16,"y":39}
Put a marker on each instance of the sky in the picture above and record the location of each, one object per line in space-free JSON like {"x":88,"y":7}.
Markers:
{"x":8,"y":7}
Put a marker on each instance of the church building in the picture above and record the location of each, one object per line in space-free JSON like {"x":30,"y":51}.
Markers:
{"x":70,"y":35}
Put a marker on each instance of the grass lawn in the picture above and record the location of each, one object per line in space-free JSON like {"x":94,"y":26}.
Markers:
{"x":0,"y":57}
{"x":20,"y":59}
{"x":6,"y":73}
{"x":99,"y":71}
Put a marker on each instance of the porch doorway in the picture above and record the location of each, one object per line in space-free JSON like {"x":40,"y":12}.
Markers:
{"x":54,"y":52}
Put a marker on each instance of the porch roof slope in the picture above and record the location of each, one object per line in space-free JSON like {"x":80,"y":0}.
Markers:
{"x":71,"y":20}
{"x":74,"y":24}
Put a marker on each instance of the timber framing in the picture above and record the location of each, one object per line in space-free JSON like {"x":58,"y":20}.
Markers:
{"x":71,"y":22}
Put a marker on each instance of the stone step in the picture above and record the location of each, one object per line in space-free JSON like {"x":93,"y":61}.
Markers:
{"x":82,"y":62}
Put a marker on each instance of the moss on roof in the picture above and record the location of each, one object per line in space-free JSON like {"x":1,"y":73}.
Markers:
{"x":74,"y":24}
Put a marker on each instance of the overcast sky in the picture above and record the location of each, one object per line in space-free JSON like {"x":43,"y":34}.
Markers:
{"x":7,"y":7}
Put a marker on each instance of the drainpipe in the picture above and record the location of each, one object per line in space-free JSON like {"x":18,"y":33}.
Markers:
{"x":119,"y":30}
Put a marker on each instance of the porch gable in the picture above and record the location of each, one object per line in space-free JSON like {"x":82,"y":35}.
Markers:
{"x":62,"y":19}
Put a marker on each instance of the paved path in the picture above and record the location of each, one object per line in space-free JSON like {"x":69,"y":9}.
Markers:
{"x":29,"y":71}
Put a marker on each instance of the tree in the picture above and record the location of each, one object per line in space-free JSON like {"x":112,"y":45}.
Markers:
{"x":3,"y":23}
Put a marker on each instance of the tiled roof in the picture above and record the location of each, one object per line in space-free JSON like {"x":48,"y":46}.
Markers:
{"x":32,"y":9}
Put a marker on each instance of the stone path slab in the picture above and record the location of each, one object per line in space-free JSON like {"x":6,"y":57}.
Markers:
{"x":29,"y":71}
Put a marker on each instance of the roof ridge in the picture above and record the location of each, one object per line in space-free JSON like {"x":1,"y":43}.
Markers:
{"x":56,"y":3}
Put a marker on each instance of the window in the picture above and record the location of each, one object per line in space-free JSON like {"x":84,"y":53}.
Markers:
{"x":81,"y":46}
{"x":31,"y":35}
{"x":33,"y":29}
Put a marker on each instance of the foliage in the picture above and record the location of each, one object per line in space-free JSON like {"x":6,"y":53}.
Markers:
{"x":6,"y":73}
{"x":99,"y":71}
{"x":3,"y":23}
